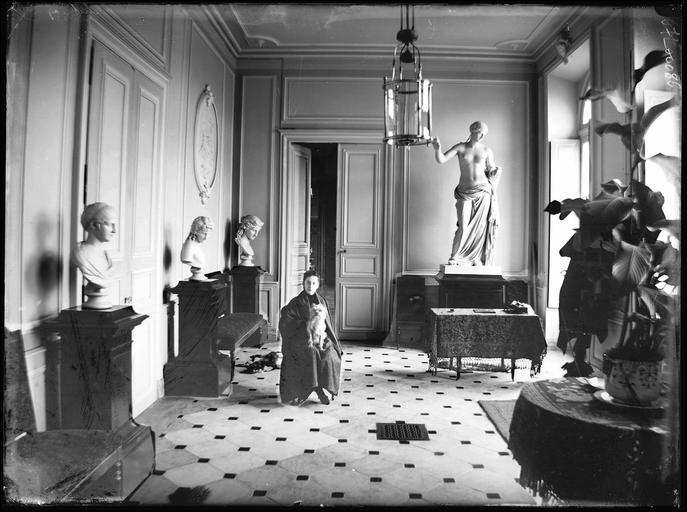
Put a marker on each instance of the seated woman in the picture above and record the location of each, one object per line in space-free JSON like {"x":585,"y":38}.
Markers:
{"x":306,"y":367}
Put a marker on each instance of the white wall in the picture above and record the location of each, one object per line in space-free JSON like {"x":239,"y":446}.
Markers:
{"x":562,"y":108}
{"x":429,"y":207}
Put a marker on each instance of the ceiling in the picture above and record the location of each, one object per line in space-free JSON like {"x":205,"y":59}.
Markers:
{"x":443,"y":29}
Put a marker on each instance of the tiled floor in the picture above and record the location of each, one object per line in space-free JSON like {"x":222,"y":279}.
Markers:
{"x":249,"y":449}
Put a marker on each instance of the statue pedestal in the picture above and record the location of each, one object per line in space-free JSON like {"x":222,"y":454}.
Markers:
{"x":95,"y":366}
{"x":103,"y":454}
{"x":471,"y":287}
{"x":199,"y":369}
{"x":245,"y":290}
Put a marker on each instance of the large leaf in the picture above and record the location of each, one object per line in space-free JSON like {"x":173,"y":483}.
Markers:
{"x":614,"y":187}
{"x":605,"y":214}
{"x":649,"y":204}
{"x":577,"y":205}
{"x":648,"y":119}
{"x":553,"y":208}
{"x":659,"y":303}
{"x":615,"y":96}
{"x":672,"y":226}
{"x":632,"y":265}
{"x":651,"y":60}
{"x":666,"y":259}
{"x":669,"y":167}
{"x":623,"y":130}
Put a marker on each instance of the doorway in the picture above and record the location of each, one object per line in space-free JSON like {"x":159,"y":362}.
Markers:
{"x":323,"y":202}
{"x":568,"y":131}
{"x":351,"y":180}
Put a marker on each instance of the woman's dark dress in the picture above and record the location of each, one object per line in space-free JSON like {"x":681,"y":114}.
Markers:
{"x":304,"y":368}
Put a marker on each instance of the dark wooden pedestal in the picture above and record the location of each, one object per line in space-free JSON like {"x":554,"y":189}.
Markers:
{"x":95,"y":366}
{"x":471,"y":291}
{"x":245,"y":291}
{"x":199,"y":369}
{"x":99,"y":453}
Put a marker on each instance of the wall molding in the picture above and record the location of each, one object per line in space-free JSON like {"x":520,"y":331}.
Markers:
{"x":273,"y":174}
{"x":290,"y":111}
{"x":160,"y":59}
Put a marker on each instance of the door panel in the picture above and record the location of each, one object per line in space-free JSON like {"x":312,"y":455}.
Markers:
{"x":298,"y":219}
{"x":359,"y":248}
{"x":123,"y":155}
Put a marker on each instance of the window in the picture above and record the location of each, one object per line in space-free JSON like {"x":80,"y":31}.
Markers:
{"x":585,"y":116}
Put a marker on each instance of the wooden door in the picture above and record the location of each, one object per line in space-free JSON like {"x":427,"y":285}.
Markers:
{"x":298,"y":220}
{"x":359,"y":241}
{"x":123,"y":170}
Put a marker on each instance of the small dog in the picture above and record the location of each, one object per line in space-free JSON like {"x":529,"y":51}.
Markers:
{"x":316,"y":327}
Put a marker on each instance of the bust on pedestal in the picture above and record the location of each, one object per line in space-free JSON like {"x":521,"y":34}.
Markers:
{"x":246,"y":276}
{"x":249,"y":227}
{"x":192,"y":251}
{"x":90,"y":256}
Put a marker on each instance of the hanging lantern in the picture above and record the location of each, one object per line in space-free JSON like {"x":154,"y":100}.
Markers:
{"x":407,"y":99}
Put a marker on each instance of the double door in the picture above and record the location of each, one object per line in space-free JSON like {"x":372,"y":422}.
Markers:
{"x":360,"y":295}
{"x":124,"y":136}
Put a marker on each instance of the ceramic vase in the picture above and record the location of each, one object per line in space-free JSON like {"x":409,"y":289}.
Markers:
{"x":634,"y":382}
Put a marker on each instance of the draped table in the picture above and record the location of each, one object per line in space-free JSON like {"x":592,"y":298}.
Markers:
{"x":572,"y":446}
{"x":485,"y":333}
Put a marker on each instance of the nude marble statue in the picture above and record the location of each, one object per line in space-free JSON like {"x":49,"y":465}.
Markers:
{"x":476,"y":207}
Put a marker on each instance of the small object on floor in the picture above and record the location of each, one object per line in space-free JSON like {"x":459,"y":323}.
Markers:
{"x":402,"y":431}
{"x":259,"y":363}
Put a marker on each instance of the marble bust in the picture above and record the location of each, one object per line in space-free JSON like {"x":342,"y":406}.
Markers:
{"x":249,"y":227}
{"x":192,"y":251}
{"x":99,"y":222}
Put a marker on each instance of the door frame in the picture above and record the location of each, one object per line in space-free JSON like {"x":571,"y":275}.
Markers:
{"x":297,"y":135}
{"x":95,"y":27}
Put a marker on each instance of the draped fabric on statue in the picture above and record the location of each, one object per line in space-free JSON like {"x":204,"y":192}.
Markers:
{"x":304,"y":368}
{"x":474,"y":242}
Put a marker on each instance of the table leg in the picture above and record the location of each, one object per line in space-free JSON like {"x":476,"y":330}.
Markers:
{"x":512,"y":369}
{"x":459,"y":365}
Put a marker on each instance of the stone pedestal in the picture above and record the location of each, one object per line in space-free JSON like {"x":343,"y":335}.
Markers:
{"x":199,"y":369}
{"x":95,"y":366}
{"x":245,"y":290}
{"x":99,"y":453}
{"x":471,"y":287}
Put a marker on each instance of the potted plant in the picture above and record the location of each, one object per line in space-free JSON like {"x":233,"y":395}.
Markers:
{"x":619,"y":264}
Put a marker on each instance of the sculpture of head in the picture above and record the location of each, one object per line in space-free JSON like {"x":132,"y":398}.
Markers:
{"x":199,"y":229}
{"x":99,"y":220}
{"x":249,"y":225}
{"x":478,"y":130}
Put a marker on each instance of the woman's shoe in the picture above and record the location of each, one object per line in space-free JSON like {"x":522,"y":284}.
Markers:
{"x":320,"y":394}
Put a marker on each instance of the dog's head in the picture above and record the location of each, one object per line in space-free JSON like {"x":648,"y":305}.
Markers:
{"x":317,"y":310}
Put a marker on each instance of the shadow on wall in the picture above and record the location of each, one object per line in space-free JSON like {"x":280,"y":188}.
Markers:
{"x":226,"y":245}
{"x":47,"y":271}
